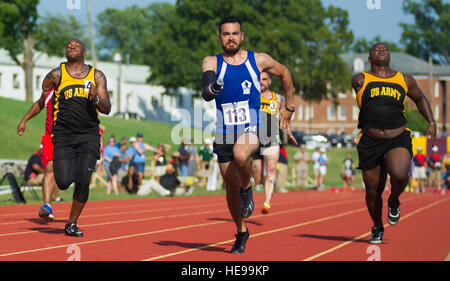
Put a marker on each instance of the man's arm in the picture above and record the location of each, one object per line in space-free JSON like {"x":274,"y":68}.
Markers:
{"x":99,"y":94}
{"x":416,"y":94}
{"x":50,"y":82}
{"x":210,"y":86}
{"x":268,"y":64}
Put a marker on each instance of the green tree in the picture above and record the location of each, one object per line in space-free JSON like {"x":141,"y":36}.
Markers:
{"x":23,"y":33}
{"x":128,"y":31}
{"x":301,"y":34}
{"x":430,"y":33}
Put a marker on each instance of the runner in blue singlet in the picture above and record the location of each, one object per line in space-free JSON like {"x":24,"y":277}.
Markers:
{"x":232,"y":79}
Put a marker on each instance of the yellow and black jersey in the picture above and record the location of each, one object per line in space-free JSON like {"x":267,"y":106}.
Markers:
{"x":74,"y":112}
{"x":382,"y":102}
{"x":269,"y":114}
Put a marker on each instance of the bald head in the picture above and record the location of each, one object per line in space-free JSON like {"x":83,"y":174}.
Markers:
{"x":75,"y":50}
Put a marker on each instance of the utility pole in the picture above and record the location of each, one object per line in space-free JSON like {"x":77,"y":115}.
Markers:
{"x":91,"y":33}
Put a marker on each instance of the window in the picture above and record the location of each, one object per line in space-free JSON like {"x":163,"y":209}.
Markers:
{"x":436,"y":112}
{"x":358,"y":65}
{"x":342,"y":113}
{"x":342,"y":95}
{"x":16,"y":83}
{"x":0,"y":79}
{"x":300,"y":112}
{"x":38,"y":81}
{"x":355,"y":114}
{"x":436,"y":89}
{"x":309,"y":112}
{"x":331,"y":113}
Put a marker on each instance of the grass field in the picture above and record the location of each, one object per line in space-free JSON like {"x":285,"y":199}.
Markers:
{"x":16,"y":147}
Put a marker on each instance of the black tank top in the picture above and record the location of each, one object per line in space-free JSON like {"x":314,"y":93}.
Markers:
{"x":74,"y":112}
{"x":382,"y":102}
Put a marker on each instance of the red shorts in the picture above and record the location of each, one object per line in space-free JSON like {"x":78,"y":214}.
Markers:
{"x":47,"y":149}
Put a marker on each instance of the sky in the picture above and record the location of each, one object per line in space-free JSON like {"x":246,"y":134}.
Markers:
{"x":368,"y":18}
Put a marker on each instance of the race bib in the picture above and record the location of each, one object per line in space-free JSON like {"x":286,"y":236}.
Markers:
{"x":236,"y":113}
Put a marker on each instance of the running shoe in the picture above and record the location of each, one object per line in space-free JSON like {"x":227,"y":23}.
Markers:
{"x":377,"y":235}
{"x":71,"y":229}
{"x":266,"y":208}
{"x":241,"y":241}
{"x":46,"y":212}
{"x":393,"y":213}
{"x":247,"y":203}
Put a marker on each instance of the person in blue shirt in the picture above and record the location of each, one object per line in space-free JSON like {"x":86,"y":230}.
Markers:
{"x":139,"y":158}
{"x":232,"y":79}
{"x":111,"y":154}
{"x":130,"y":157}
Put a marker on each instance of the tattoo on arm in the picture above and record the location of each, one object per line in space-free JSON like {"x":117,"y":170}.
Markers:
{"x":51,"y":80}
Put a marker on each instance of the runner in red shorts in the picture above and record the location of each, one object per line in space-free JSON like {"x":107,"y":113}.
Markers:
{"x":48,"y":183}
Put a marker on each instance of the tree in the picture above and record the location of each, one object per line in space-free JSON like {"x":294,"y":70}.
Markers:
{"x":430,"y":33}
{"x":361,"y":45}
{"x":127,"y":31}
{"x":301,"y":34}
{"x":22,"y":34}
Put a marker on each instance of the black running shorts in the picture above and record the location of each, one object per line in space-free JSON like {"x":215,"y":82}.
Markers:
{"x":68,"y":146}
{"x":223,"y":146}
{"x":371,"y":151}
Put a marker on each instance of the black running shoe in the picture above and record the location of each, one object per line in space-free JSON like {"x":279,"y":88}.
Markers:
{"x":377,"y":235}
{"x":247,"y":203}
{"x":71,"y":229}
{"x":241,"y":241}
{"x":393,"y":213}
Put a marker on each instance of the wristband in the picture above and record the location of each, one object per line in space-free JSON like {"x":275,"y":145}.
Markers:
{"x":432,"y":124}
{"x":290,"y":110}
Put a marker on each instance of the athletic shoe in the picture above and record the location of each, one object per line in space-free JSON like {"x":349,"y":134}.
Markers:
{"x":377,"y":235}
{"x":393,"y":213}
{"x":71,"y":229}
{"x":266,"y":208}
{"x":46,"y":212}
{"x":241,"y":241}
{"x":247,"y":203}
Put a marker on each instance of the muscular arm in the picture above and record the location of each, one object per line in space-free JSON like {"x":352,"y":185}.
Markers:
{"x":208,"y":77}
{"x":357,"y":82}
{"x":101,"y":91}
{"x":416,"y":94}
{"x":268,"y":64}
{"x":50,"y":82}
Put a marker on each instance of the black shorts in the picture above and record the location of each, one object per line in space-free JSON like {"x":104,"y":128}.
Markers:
{"x":371,"y":151}
{"x":223,"y":146}
{"x":68,"y":146}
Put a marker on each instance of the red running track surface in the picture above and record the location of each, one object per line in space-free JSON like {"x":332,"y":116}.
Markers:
{"x":308,"y":225}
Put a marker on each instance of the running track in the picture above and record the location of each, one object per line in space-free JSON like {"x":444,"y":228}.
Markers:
{"x":306,"y":225}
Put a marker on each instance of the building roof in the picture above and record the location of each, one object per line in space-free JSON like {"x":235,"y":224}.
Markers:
{"x":137,"y":74}
{"x":400,"y":61}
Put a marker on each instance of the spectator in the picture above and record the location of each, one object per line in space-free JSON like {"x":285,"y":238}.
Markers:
{"x":446,"y":162}
{"x":184,"y":159}
{"x":316,"y":166}
{"x":282,"y":169}
{"x":302,"y":158}
{"x":348,"y":172}
{"x":131,"y":169}
{"x":446,"y":184}
{"x":165,"y":185}
{"x":193,"y":163}
{"x":112,"y":165}
{"x":206,"y":157}
{"x":139,"y":156}
{"x":123,"y":159}
{"x":174,"y":161}
{"x":159,"y":158}
{"x":323,"y":162}
{"x":419,"y":170}
{"x":434,"y":163}
{"x":34,"y":171}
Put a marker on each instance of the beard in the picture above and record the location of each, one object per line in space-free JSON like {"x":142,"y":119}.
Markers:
{"x":231,"y":50}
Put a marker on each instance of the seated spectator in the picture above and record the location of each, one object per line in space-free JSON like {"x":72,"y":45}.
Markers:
{"x":34,"y":171}
{"x":166,"y":185}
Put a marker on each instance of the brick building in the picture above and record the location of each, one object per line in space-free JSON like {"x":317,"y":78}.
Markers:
{"x":325,"y":117}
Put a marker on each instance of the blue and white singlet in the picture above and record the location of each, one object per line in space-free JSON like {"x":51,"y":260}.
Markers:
{"x":238,"y":103}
